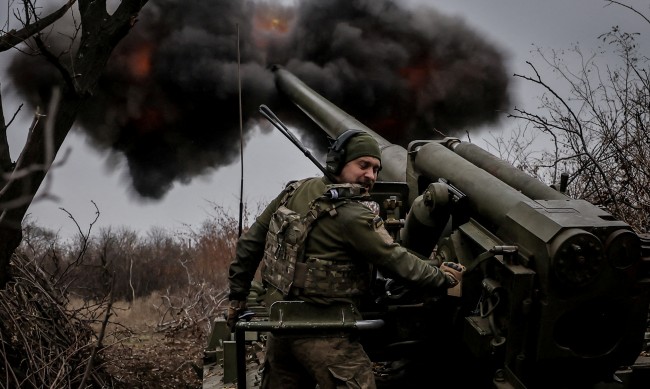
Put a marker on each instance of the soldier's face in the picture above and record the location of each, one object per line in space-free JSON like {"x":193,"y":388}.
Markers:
{"x":362,"y":171}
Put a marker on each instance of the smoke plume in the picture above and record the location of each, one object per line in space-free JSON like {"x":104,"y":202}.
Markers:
{"x":169,"y":98}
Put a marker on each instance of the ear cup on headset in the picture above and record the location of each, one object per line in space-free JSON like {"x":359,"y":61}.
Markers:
{"x":336,"y":152}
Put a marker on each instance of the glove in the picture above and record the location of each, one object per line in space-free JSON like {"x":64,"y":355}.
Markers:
{"x":235,"y":309}
{"x":454,"y":272}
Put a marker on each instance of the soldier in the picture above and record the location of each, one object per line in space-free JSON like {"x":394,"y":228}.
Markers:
{"x":325,"y":257}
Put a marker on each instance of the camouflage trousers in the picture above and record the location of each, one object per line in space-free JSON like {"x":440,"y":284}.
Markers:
{"x":331,"y":362}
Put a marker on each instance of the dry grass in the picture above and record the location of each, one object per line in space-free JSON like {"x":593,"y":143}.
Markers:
{"x":141,"y":315}
{"x":138,"y":355}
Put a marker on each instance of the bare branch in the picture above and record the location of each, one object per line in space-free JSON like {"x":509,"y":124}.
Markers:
{"x":13,"y":37}
{"x":630,"y":8}
{"x":598,"y":130}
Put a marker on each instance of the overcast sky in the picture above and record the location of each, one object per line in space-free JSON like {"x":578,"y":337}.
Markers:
{"x":270,"y":160}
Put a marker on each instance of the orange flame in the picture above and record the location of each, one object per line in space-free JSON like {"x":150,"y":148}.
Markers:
{"x":271,"y":21}
{"x":417,"y":74}
{"x":140,"y":61}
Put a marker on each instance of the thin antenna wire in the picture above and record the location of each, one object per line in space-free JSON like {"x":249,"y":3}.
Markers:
{"x":241,"y":142}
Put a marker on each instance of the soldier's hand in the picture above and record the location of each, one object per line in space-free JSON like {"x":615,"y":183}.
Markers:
{"x":454,"y":272}
{"x":235,"y":309}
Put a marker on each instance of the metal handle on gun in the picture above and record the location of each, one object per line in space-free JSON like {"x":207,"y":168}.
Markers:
{"x":267,"y":113}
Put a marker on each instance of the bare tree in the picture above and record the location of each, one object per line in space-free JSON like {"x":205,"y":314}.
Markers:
{"x":100,"y":32}
{"x":598,"y":128}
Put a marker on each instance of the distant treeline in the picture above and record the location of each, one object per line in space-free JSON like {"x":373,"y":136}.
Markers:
{"x":133,"y":264}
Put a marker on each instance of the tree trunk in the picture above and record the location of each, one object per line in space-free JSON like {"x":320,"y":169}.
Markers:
{"x":101,"y":33}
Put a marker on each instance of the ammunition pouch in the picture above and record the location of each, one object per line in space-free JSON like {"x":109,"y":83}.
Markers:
{"x":318,"y":277}
{"x":284,"y":244}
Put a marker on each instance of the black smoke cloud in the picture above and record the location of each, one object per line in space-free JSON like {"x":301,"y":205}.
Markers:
{"x":169,"y":98}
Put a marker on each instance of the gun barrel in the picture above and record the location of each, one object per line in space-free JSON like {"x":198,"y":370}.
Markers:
{"x":505,"y":172}
{"x":334,"y":121}
{"x":489,"y":196}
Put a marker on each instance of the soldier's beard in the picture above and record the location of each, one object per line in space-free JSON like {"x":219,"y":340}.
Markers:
{"x":366,"y":183}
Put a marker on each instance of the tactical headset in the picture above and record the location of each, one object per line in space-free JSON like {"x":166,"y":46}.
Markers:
{"x":336,"y":152}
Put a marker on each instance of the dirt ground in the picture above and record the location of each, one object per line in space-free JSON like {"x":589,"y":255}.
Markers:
{"x":156,"y":360}
{"x":150,"y":359}
{"x":161,"y":361}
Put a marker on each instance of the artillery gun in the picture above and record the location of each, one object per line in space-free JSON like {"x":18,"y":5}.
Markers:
{"x":556,"y":292}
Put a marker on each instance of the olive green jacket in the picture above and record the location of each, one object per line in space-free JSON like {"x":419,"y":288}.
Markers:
{"x":353,"y":234}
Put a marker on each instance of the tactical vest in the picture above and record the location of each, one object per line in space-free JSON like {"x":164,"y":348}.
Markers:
{"x":284,"y":263}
